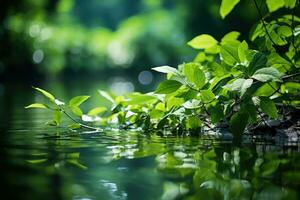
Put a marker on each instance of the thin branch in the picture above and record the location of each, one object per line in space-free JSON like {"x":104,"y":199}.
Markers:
{"x":291,"y":76}
{"x":263,"y":22}
{"x":82,"y":125}
{"x":293,"y":27}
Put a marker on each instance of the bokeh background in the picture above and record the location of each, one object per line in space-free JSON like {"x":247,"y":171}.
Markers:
{"x":113,"y":41}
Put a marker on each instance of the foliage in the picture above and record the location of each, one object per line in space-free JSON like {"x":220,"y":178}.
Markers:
{"x":235,"y":82}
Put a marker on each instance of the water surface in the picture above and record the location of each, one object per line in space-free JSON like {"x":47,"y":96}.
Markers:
{"x":41,"y":162}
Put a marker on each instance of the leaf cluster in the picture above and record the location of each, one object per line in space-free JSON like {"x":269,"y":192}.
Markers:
{"x":231,"y":82}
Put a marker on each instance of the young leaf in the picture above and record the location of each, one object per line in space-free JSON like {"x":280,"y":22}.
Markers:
{"x":74,"y":126}
{"x":167,"y":87}
{"x":227,"y":6}
{"x":194,"y":74}
{"x":243,"y":51}
{"x":274,"y":5}
{"x":97,"y":110}
{"x":267,"y":74}
{"x":45,"y":93}
{"x":290,"y":3}
{"x":36,"y":105}
{"x":107,"y":96}
{"x":77,"y":101}
{"x":268,"y":107}
{"x":233,"y":35}
{"x":57,"y":117}
{"x":203,"y":41}
{"x":167,"y":70}
{"x":141,"y":99}
{"x":52,"y":123}
{"x":76,"y":110}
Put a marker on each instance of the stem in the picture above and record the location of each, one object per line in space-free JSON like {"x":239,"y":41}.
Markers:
{"x":291,"y":76}
{"x":263,"y":22}
{"x":82,"y":125}
{"x":293,"y":26}
{"x":275,"y":90}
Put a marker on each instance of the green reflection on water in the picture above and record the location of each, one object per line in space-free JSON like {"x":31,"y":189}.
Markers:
{"x":38,"y":162}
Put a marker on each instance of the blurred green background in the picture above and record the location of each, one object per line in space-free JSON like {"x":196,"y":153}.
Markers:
{"x":76,"y":39}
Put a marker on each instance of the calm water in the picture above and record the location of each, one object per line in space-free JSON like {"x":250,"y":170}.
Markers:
{"x":41,"y":162}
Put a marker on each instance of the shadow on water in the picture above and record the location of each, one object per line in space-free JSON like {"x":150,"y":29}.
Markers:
{"x":41,"y":162}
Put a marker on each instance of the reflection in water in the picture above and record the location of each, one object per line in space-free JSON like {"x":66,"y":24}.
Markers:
{"x":38,"y":162}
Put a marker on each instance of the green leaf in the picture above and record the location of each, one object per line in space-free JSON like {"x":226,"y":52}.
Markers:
{"x":216,"y":113}
{"x":268,"y":107}
{"x":36,"y":105}
{"x":227,"y":6}
{"x":168,"y":86}
{"x":76,"y":110}
{"x":107,"y":96}
{"x":193,"y":122}
{"x":167,"y":70}
{"x":241,"y":85}
{"x":174,"y":101}
{"x":285,"y":31}
{"x":57,"y":117}
{"x":74,"y":126}
{"x":45,"y":93}
{"x":97,"y":110}
{"x":266,"y":89}
{"x":141,"y":99}
{"x":52,"y":123}
{"x":258,"y":61}
{"x":257,"y":31}
{"x":291,"y":87}
{"x":274,"y":5}
{"x":250,"y":109}
{"x":233,"y":35}
{"x":203,"y":41}
{"x":37,"y":161}
{"x":77,"y":101}
{"x":207,"y":96}
{"x":238,"y":123}
{"x":229,"y":52}
{"x":267,"y":74}
{"x":278,"y":62}
{"x":192,"y":104}
{"x":290,"y":3}
{"x":194,"y":74}
{"x":243,"y":51}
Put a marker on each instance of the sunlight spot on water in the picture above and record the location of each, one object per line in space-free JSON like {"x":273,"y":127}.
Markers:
{"x":38,"y":56}
{"x":145,"y":77}
{"x":113,"y":190}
